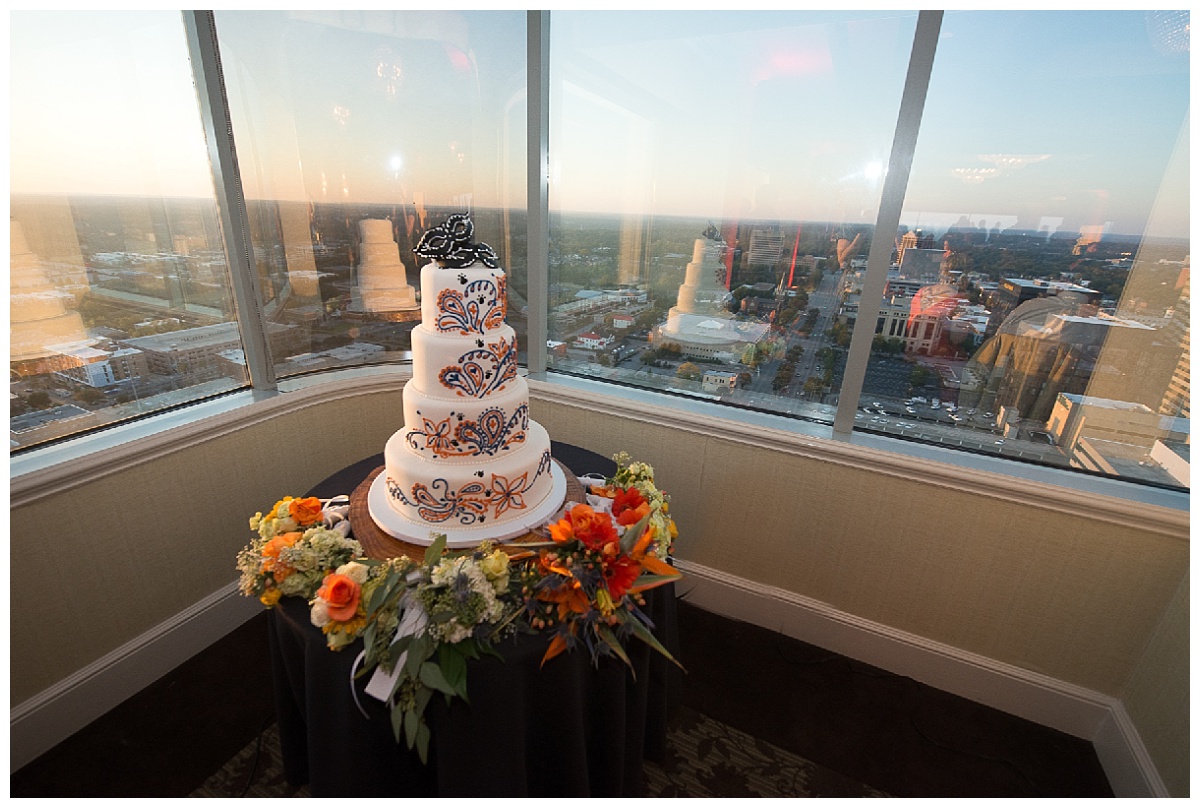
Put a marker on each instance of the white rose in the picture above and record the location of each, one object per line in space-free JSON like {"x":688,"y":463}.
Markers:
{"x":320,"y":613}
{"x":494,"y":565}
{"x":354,"y":571}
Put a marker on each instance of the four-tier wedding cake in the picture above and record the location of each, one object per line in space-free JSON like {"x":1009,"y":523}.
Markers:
{"x":468,"y":463}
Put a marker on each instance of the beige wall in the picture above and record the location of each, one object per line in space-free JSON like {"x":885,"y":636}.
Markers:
{"x":116,"y":556}
{"x":1084,"y":601}
{"x":1158,"y":698}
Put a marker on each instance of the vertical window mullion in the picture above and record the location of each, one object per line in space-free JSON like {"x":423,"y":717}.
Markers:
{"x":895,"y":185}
{"x":537,"y":166}
{"x":231,"y":204}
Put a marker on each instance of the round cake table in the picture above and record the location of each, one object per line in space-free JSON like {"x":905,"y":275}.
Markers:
{"x":567,"y":728}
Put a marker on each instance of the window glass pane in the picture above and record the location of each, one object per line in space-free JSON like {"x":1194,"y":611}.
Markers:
{"x":1037,"y":304}
{"x":356,"y":132}
{"x":120,"y":299}
{"x":713,"y":176}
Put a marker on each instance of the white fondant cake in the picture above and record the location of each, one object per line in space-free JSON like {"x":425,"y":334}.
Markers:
{"x":468,"y":463}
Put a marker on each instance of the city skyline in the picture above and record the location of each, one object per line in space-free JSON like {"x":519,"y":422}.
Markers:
{"x":719,"y":115}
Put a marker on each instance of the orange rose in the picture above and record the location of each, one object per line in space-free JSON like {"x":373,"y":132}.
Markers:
{"x":271,"y":550}
{"x":341,"y":594}
{"x":305,"y":511}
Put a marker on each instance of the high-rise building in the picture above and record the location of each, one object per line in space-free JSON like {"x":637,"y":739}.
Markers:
{"x":913,"y":239}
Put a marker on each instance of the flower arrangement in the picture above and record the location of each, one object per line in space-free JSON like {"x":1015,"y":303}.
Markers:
{"x":299,"y":542}
{"x":420,"y":623}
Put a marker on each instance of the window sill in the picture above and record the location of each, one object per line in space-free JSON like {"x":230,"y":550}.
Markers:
{"x":40,"y":472}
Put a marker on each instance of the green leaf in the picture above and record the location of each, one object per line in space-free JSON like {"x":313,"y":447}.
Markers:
{"x":424,"y":694}
{"x":418,"y":652}
{"x":648,"y":579}
{"x":432,"y":676}
{"x":423,"y":742}
{"x":610,"y":639}
{"x":643,"y":634}
{"x":400,"y":646}
{"x":454,"y":667}
{"x":397,"y":720}
{"x":369,"y":638}
{"x":433,"y":553}
{"x":411,"y":721}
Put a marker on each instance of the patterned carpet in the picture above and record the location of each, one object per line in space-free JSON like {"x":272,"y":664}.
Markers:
{"x":704,"y":759}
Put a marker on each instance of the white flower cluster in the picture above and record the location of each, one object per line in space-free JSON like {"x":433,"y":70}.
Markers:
{"x":484,"y":579}
{"x":320,"y":549}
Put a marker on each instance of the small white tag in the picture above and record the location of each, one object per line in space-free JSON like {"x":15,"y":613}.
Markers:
{"x":381,"y":682}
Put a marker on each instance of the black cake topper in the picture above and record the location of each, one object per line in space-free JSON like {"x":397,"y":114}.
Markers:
{"x":450,"y":245}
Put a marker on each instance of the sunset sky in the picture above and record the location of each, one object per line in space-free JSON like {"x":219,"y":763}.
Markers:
{"x":1059,"y":120}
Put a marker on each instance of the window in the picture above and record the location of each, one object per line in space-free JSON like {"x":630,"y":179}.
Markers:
{"x":356,"y":132}
{"x":715,"y":188}
{"x":715,"y":184}
{"x":1041,"y":265}
{"x":709,"y":173}
{"x":120,"y":300}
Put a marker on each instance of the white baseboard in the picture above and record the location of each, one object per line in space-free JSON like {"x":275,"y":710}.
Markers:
{"x":1084,"y":713}
{"x":39,"y":723}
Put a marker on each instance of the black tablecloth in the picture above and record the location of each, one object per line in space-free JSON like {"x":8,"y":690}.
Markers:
{"x":565,"y":729}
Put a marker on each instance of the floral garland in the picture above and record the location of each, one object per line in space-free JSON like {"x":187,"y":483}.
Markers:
{"x":420,"y":623}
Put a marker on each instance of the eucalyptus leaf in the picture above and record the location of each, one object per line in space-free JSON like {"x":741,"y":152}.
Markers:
{"x":411,"y":721}
{"x":453,"y":665}
{"x":418,"y":652}
{"x":400,"y":646}
{"x":423,"y":742}
{"x":432,"y":676}
{"x":424,"y":694}
{"x":397,"y":721}
{"x":433,"y":553}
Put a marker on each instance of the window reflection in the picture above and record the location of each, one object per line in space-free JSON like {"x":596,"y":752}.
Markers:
{"x":120,"y":301}
{"x":1037,"y":300}
{"x":356,"y":132}
{"x":713,"y":176}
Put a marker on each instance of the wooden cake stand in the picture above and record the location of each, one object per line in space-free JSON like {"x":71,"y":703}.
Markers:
{"x":380,"y":545}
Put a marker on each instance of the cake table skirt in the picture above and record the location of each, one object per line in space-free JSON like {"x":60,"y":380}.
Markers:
{"x":563,"y":729}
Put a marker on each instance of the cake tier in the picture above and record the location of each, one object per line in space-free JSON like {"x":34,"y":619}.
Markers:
{"x":384,"y":255}
{"x":465,"y":301}
{"x":376,"y":298}
{"x":461,"y":430}
{"x":474,"y":367}
{"x":492,"y":491}
{"x":375,"y":230}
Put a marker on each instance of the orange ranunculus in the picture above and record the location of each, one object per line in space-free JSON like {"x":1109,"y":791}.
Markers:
{"x":305,"y":511}
{"x":619,"y":575}
{"x":271,"y":549}
{"x":593,"y":529}
{"x":341,"y":594}
{"x":630,"y":507}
